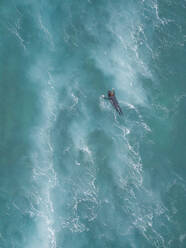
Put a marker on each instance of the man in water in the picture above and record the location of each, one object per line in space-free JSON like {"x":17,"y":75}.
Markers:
{"x":113,"y":100}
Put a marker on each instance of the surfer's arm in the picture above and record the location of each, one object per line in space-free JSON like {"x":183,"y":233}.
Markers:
{"x":104,"y":97}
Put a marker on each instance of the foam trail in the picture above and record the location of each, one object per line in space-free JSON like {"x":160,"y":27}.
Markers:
{"x":44,"y":175}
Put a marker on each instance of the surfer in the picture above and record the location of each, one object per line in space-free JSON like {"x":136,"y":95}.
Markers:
{"x":113,"y":100}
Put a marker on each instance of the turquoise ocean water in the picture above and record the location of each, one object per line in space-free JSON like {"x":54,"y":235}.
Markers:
{"x":73,"y":173}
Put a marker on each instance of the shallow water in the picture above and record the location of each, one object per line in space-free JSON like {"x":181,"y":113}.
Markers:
{"x":74,"y":173}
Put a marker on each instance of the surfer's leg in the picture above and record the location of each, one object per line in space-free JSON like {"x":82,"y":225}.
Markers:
{"x":120,"y":110}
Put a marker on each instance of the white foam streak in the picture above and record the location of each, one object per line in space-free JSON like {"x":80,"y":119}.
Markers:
{"x":46,"y":32}
{"x":14,"y":29}
{"x":43,"y":172}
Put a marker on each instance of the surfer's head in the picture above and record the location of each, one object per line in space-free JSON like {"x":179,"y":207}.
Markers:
{"x":110,"y":93}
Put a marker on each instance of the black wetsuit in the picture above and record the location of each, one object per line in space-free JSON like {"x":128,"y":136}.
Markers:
{"x":114,"y":102}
